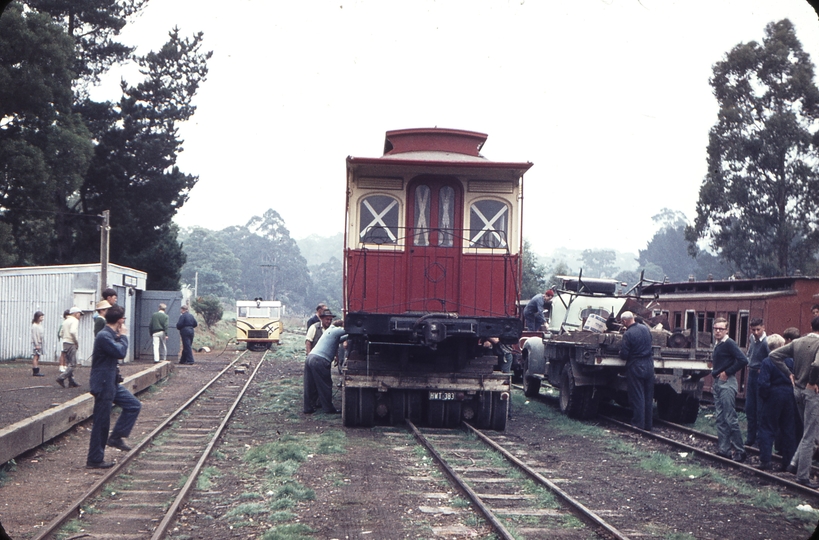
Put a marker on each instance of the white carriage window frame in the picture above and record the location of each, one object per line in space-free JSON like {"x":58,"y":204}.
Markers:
{"x":488,"y":224}
{"x":382,"y":212}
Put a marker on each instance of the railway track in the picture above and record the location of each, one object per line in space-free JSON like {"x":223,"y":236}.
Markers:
{"x":703,"y":445}
{"x":516,"y":506}
{"x":675,"y":435}
{"x":139,"y":497}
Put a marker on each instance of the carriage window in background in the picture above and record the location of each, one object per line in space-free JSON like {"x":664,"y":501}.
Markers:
{"x":378,"y":220}
{"x":488,"y":224}
{"x":421,"y":232}
{"x":446,"y":216}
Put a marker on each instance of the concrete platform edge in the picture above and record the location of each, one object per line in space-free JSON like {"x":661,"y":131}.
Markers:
{"x":38,"y":429}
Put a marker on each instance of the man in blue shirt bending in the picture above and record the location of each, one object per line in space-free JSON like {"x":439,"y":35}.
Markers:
{"x":318,"y":381}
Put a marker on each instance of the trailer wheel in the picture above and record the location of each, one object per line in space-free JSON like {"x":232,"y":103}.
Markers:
{"x":531,"y":385}
{"x":576,"y":401}
{"x":677,"y":408}
{"x":500,"y":412}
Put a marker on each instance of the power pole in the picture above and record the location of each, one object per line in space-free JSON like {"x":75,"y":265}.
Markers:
{"x":105,"y":232}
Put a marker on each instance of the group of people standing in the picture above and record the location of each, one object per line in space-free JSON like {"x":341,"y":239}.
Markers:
{"x":110,"y":347}
{"x":781,"y":396}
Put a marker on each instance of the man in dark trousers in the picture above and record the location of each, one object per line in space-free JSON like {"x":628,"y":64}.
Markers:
{"x":318,"y":382}
{"x":185,"y":325}
{"x":635,"y":349}
{"x":757,"y":352}
{"x":110,"y":346}
{"x":727,"y":360}
{"x":805,"y":377}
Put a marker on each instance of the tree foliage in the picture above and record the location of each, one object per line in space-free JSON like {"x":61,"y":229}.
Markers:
{"x":759,"y":202}
{"x":326,"y":285}
{"x":258,"y":260}
{"x":667,"y":254}
{"x":210,"y":308}
{"x":599,"y":263}
{"x":534,"y":273}
{"x":64,"y":158}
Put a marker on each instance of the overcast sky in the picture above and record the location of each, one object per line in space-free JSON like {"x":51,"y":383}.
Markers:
{"x":608,"y":98}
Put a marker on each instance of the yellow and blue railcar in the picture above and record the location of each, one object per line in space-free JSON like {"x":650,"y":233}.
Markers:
{"x":259,"y":323}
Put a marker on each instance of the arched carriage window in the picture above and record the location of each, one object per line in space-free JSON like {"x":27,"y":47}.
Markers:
{"x":488,"y":224}
{"x":378,"y":220}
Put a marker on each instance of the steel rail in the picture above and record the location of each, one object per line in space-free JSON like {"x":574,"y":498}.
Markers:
{"x":113,"y":471}
{"x":455,"y":477}
{"x":162,"y":528}
{"x":537,"y":477}
{"x":710,"y":455}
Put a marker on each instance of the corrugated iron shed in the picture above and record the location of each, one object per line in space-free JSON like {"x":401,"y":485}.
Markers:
{"x":52,"y":290}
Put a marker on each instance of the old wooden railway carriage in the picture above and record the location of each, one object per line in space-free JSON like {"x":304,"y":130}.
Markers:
{"x":432,"y":269}
{"x":781,"y":302}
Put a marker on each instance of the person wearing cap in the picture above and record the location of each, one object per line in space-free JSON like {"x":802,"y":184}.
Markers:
{"x":159,"y":332}
{"x":635,"y":349}
{"x":99,"y":317}
{"x":316,"y":317}
{"x":71,"y":342}
{"x":185,"y":325}
{"x":533,"y":312}
{"x":315,"y":330}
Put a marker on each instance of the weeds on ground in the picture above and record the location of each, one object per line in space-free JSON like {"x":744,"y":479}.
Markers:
{"x":289,"y":531}
{"x":205,"y":479}
{"x":680,"y":465}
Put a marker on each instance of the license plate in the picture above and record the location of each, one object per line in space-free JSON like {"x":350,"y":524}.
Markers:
{"x":442,"y":396}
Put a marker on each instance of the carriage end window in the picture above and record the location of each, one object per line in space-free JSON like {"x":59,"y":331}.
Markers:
{"x":488,"y":224}
{"x":378,"y":215}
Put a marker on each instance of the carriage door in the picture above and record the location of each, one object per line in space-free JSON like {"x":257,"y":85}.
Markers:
{"x":434,"y":244}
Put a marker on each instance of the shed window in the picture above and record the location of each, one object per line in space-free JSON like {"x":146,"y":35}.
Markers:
{"x":378,"y":216}
{"x":488,"y":224}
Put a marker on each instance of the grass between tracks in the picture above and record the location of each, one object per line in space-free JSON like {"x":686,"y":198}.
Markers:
{"x":680,"y":466}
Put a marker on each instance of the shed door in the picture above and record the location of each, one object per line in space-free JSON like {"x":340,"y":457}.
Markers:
{"x":434,"y":210}
{"x":147,"y":304}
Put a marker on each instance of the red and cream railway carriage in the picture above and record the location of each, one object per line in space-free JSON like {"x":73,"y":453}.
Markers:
{"x":432,"y":268}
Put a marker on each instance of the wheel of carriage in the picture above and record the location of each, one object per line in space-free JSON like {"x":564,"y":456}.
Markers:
{"x":576,"y":401}
{"x":349,"y":407}
{"x":415,"y":406}
{"x":398,"y":407}
{"x":483,"y":410}
{"x":436,"y":413}
{"x":367,"y":399}
{"x":500,"y":412}
{"x":452,"y":413}
{"x":531,"y":384}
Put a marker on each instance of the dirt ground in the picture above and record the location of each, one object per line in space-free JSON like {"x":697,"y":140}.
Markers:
{"x":278,"y":473}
